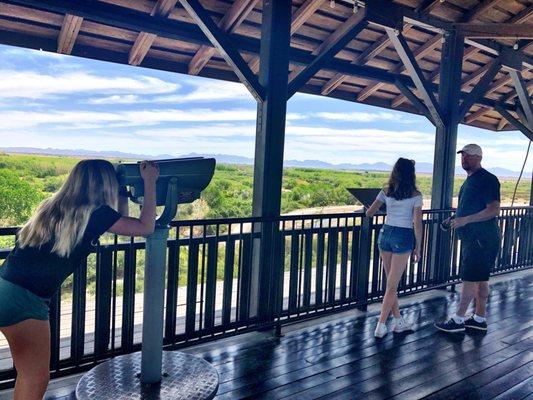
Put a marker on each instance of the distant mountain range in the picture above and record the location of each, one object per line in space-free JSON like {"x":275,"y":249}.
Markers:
{"x":424,"y":168}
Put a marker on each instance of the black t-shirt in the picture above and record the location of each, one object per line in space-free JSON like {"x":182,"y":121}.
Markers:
{"x":41,"y":271}
{"x":478,"y":190}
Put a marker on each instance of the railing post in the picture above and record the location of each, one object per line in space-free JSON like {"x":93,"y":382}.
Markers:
{"x":104,"y":276}
{"x":363,"y":264}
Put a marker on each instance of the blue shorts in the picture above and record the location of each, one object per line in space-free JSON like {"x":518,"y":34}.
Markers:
{"x":19,"y":304}
{"x":395,"y":239}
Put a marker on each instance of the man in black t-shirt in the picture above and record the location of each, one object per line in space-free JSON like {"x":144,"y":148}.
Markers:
{"x":475,"y":224}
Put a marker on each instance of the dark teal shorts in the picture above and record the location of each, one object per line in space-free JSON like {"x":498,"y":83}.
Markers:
{"x":18,"y":304}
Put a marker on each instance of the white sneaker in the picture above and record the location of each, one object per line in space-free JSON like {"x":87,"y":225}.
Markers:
{"x":381,"y":330}
{"x":401,"y":325}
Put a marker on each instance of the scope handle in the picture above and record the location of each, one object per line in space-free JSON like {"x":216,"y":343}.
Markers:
{"x":171,"y":204}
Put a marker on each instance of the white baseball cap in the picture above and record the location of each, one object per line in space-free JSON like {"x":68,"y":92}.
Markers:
{"x":471,"y":149}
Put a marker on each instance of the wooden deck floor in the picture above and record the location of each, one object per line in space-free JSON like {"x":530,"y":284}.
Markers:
{"x":342,"y":360}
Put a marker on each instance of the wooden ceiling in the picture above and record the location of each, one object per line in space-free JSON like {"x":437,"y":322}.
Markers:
{"x":160,"y":34}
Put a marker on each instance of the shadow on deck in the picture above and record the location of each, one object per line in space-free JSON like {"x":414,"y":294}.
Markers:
{"x":340,"y":359}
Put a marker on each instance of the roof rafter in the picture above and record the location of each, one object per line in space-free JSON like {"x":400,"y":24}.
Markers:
{"x":68,"y":34}
{"x":236,"y":14}
{"x":419,"y":53}
{"x":144,"y":40}
{"x":299,"y":18}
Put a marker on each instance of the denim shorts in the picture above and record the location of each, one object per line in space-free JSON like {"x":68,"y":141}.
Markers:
{"x":395,"y":239}
{"x":19,"y":304}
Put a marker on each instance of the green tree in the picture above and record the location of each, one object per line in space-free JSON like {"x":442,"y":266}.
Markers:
{"x":17,"y":198}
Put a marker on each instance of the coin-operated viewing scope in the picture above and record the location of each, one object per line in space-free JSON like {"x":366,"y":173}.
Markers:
{"x":181,"y":180}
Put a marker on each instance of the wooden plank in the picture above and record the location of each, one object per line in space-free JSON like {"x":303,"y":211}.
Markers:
{"x":523,"y":95}
{"x":68,"y":34}
{"x":478,"y":10}
{"x":304,"y":12}
{"x":479,"y":90}
{"x":144,"y":40}
{"x":502,"y":124}
{"x":495,"y":31}
{"x":225,"y":47}
{"x":348,"y":356}
{"x":409,"y":60}
{"x":419,"y":53}
{"x":470,"y":52}
{"x":477,"y":114}
{"x":329,"y":48}
{"x":299,"y":17}
{"x":163,"y":8}
{"x":369,"y":53}
{"x":428,"y":5}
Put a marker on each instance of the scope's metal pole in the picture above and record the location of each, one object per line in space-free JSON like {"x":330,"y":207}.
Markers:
{"x":154,"y":289}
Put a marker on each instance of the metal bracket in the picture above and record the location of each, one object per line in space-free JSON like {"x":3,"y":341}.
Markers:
{"x":171,"y":204}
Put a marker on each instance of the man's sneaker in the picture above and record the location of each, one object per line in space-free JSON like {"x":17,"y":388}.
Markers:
{"x":401,"y":325}
{"x":381,"y":330}
{"x":471,"y":323}
{"x":450,"y":326}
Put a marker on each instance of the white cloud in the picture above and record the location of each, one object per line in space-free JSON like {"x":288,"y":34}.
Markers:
{"x":34,"y":85}
{"x":116,"y":99}
{"x":213,"y":131}
{"x":357,"y":116}
{"x":207,"y":91}
{"x":95,"y":119}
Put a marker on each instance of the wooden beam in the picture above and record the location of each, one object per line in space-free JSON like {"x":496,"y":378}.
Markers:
{"x":427,"y":6}
{"x":522,"y":16}
{"x":221,"y":41}
{"x":479,"y":90}
{"x":480,"y":9}
{"x":495,"y":31}
{"x":473,"y":77}
{"x":329,"y":48}
{"x":303,"y":13}
{"x":237,"y":13}
{"x":410,"y":62}
{"x":414,"y":100}
{"x":140,"y":48}
{"x":419,"y":53}
{"x":470,"y":52}
{"x":501,"y":124}
{"x":144,"y":40}
{"x":163,"y":8}
{"x":523,"y":95}
{"x":299,"y":17}
{"x":68,"y":34}
{"x":475,"y":115}
{"x":370,"y":52}
{"x":526,"y":130}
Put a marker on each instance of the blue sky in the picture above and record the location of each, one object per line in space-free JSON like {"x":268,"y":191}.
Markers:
{"x":50,"y":100}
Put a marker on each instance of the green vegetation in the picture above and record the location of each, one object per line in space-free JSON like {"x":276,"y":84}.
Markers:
{"x":25,"y":180}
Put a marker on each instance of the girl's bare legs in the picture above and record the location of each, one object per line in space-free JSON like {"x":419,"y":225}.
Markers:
{"x":386,"y":256}
{"x":29,"y":342}
{"x":398,"y":266}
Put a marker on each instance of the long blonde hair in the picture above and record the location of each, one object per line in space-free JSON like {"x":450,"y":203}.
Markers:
{"x":63,"y":217}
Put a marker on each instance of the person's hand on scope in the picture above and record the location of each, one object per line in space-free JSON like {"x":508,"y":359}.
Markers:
{"x":145,"y":224}
{"x":149,"y":171}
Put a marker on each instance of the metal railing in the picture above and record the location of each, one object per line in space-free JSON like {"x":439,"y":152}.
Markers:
{"x":323,"y":264}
